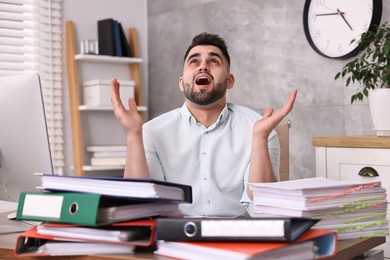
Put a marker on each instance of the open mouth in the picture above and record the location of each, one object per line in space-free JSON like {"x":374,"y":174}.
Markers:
{"x":202,"y":81}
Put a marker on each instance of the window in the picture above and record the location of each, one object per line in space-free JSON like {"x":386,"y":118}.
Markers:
{"x":30,"y":41}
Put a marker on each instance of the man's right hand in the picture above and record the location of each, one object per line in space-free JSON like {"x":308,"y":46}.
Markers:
{"x":130,"y":120}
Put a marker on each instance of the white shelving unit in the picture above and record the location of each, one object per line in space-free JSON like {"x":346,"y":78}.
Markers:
{"x":74,"y":95}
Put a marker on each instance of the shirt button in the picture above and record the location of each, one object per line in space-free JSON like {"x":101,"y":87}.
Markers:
{"x":204,"y":154}
{"x":204,"y":178}
{"x":207,"y":201}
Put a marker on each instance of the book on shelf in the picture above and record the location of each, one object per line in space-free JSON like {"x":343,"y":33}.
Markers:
{"x":118,"y":42}
{"x":106,"y":37}
{"x":125,"y":44}
{"x":88,"y":208}
{"x":352,"y":208}
{"x":118,"y":186}
{"x":112,"y":39}
{"x":232,"y":229}
{"x":108,"y":154}
{"x":312,"y":244}
{"x":103,"y":161}
{"x":106,"y":148}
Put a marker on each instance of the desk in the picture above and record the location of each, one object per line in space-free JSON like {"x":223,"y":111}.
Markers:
{"x":346,"y":249}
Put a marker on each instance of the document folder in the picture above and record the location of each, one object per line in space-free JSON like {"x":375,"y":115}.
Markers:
{"x":118,"y":186}
{"x":87,"y":209}
{"x":312,"y":244}
{"x":136,"y":232}
{"x":30,"y":243}
{"x":131,"y":233}
{"x":232,"y":229}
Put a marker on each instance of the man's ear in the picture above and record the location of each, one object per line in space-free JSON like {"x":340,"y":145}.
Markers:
{"x":230,"y":82}
{"x":181,"y":84}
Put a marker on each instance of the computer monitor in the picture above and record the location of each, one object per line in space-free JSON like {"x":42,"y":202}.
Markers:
{"x":24,"y":142}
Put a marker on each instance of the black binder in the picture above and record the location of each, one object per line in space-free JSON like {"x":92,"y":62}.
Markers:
{"x":106,"y":37}
{"x":232,"y":229}
{"x":140,"y":189}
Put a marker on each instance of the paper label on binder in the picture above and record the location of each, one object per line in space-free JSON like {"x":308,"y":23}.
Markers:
{"x":42,"y":206}
{"x":235,"y":227}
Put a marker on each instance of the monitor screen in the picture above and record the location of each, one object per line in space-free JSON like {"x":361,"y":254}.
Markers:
{"x":24,"y":142}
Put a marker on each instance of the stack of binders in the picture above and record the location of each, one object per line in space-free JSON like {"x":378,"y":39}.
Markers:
{"x":243,"y":238}
{"x":112,"y":39}
{"x":95,"y":215}
{"x":352,"y":209}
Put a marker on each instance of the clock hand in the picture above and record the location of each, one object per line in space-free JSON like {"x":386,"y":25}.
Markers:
{"x":327,"y":14}
{"x":345,"y":20}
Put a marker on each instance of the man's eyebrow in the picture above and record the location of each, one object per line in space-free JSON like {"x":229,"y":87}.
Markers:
{"x":211,"y":54}
{"x":215,"y":54}
{"x":196,"y":54}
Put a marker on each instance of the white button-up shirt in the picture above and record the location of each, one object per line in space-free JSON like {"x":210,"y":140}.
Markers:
{"x":213,"y":160}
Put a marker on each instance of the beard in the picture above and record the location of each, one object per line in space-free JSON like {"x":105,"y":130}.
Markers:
{"x":203,"y":97}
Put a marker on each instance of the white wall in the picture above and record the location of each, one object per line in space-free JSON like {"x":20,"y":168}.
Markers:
{"x":85,"y":14}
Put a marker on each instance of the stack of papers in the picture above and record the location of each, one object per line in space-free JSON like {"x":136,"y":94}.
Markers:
{"x":352,"y":209}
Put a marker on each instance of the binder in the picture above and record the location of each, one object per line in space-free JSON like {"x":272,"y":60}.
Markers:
{"x":136,"y":232}
{"x":106,"y":37}
{"x":232,"y":229}
{"x":323,"y":242}
{"x":87,"y":209}
{"x":118,"y":41}
{"x":30,"y":243}
{"x":118,"y":186}
{"x":125,"y":45}
{"x":133,"y":233}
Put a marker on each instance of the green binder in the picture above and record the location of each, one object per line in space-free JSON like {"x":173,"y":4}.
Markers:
{"x":87,"y":208}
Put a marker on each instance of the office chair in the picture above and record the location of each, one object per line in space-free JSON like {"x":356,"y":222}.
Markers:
{"x":283,"y":133}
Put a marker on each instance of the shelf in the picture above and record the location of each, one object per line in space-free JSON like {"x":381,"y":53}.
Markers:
{"x":105,"y":108}
{"x":105,"y":58}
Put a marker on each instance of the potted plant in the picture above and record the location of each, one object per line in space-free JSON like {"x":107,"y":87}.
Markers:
{"x":371,"y":69}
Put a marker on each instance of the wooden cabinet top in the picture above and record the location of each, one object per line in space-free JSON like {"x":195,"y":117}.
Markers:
{"x":352,"y":141}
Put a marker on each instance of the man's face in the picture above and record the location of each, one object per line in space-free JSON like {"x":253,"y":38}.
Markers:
{"x":206,"y":75}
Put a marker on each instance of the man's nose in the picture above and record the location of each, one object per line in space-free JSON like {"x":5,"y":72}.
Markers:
{"x":203,"y":66}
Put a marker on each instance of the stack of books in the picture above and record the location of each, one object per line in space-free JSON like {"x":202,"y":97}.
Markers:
{"x":243,"y":238}
{"x":107,"y":155}
{"x":352,"y":209}
{"x":95,"y":215}
{"x":112,"y":39}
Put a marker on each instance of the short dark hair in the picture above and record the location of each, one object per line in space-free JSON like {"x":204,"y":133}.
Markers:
{"x":206,"y":38}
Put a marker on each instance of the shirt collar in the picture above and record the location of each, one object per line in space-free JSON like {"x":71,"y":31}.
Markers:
{"x":187,"y":116}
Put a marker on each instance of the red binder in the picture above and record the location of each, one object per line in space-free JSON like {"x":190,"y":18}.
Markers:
{"x":324,"y":240}
{"x":131,"y":234}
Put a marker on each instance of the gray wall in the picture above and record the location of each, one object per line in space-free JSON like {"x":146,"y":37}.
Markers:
{"x":270,"y":56}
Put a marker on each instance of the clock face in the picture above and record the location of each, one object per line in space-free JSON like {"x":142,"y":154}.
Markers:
{"x":331,"y":25}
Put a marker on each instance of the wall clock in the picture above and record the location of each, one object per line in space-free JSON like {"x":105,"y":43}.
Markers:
{"x":331,"y":25}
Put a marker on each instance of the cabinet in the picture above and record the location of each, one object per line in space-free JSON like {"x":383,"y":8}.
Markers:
{"x":354,"y":158}
{"x":76,"y":109}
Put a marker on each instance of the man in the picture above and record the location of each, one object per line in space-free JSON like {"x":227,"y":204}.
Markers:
{"x":214,"y":146}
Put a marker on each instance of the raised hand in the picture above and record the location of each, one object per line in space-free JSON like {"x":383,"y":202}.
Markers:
{"x":130,"y":120}
{"x":271,"y":119}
